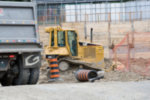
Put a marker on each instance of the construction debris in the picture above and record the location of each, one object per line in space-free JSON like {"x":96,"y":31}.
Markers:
{"x":84,"y":75}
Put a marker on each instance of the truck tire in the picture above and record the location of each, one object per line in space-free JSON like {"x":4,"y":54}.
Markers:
{"x":6,"y":82}
{"x":23,"y":76}
{"x":34,"y":75}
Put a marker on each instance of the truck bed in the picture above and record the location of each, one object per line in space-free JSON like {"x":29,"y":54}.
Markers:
{"x":18,"y":27}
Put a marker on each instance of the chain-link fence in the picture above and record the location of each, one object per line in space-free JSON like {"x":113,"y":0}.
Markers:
{"x":93,"y":12}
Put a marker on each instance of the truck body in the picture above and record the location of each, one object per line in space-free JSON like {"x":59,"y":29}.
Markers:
{"x":20,"y":47}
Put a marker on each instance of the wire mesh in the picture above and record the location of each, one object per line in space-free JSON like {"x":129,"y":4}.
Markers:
{"x":93,"y":12}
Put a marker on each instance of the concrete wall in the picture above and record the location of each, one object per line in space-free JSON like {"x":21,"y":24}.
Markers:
{"x":117,"y":31}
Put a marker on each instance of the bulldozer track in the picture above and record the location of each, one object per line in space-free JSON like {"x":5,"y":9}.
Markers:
{"x":108,"y":64}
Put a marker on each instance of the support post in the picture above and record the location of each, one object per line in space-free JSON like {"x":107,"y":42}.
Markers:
{"x":91,"y":35}
{"x":109,"y":35}
{"x":85,"y":28}
{"x":128,"y":56}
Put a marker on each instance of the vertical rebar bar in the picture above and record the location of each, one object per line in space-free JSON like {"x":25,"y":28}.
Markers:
{"x":91,"y":35}
{"x":141,"y":15}
{"x":44,"y":12}
{"x":76,"y":15}
{"x":61,"y":15}
{"x":128,"y":55}
{"x":109,"y":35}
{"x":85,"y":28}
{"x":133,"y":31}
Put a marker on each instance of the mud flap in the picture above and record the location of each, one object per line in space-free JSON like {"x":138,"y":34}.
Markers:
{"x":31,"y":60}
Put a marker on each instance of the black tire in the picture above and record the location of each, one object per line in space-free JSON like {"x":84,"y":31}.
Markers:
{"x":23,"y":76}
{"x":34,"y":75}
{"x":6,"y":82}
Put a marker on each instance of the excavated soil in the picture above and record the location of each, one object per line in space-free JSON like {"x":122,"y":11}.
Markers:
{"x":117,"y":75}
{"x":139,"y":69}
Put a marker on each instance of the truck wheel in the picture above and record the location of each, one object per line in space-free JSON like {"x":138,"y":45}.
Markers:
{"x":63,"y":66}
{"x":23,"y":77}
{"x":34,"y":75}
{"x":8,"y":78}
{"x":6,"y":81}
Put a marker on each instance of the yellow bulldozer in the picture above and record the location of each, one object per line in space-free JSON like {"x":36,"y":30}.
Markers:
{"x":64,"y":44}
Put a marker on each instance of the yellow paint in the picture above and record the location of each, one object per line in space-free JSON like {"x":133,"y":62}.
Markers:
{"x":89,"y":54}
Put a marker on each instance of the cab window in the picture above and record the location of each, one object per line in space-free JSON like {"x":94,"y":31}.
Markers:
{"x":61,"y":38}
{"x":52,"y":38}
{"x":72,"y":39}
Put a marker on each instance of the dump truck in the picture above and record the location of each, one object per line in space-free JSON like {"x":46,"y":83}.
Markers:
{"x":20,"y":48}
{"x":64,"y":44}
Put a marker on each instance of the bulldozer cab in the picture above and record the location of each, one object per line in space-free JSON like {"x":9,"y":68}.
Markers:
{"x":63,"y":40}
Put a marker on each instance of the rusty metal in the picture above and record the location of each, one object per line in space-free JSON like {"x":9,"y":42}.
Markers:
{"x":83,"y":75}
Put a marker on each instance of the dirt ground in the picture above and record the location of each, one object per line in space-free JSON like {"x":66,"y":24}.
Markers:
{"x":139,"y":69}
{"x":116,"y":75}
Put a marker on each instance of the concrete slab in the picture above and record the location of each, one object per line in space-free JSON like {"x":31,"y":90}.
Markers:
{"x":79,"y":91}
